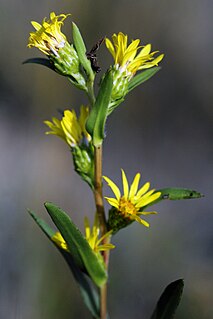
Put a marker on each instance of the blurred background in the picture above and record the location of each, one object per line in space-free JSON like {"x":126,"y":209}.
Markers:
{"x":163,"y":130}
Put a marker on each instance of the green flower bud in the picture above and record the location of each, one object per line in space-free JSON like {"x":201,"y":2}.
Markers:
{"x":83,"y":159}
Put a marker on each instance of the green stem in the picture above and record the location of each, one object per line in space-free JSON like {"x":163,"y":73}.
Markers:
{"x":98,"y":195}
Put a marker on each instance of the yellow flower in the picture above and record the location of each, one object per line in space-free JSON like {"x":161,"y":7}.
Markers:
{"x":59,"y":241}
{"x":48,"y":36}
{"x":126,"y":58}
{"x":93,"y":234}
{"x":131,"y":204}
{"x":49,"y":39}
{"x":71,"y":129}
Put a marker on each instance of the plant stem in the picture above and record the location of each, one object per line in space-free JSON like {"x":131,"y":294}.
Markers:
{"x":102,"y":220}
{"x":90,"y":92}
{"x":103,"y":302}
{"x":98,"y":190}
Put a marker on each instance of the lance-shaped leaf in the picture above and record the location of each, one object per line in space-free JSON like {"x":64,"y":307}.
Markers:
{"x":169,"y":301}
{"x":88,"y":291}
{"x":80,"y":249}
{"x":41,"y":61}
{"x":142,"y":77}
{"x":95,"y":124}
{"x":81,"y":50}
{"x":176,"y":194}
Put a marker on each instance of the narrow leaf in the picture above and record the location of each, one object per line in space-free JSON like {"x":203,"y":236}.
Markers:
{"x":81,"y":50}
{"x":88,"y":291}
{"x":80,"y":249}
{"x":176,"y":194}
{"x":41,"y":61}
{"x":179,"y":193}
{"x":169,"y":301}
{"x":142,"y":77}
{"x":96,"y":121}
{"x":49,"y":232}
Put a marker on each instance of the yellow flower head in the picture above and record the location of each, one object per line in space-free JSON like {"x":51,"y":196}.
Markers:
{"x":71,"y":129}
{"x":93,"y":234}
{"x":48,"y":36}
{"x":59,"y":241}
{"x":126,"y":58}
{"x":131,"y":204}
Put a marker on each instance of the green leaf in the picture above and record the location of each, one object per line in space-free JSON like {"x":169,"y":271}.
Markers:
{"x":96,"y":121}
{"x":41,"y":61}
{"x":88,"y":291}
{"x":49,"y":232}
{"x":80,"y":249}
{"x":176,"y":194}
{"x":142,"y":77}
{"x":169,"y":301}
{"x":81,"y":50}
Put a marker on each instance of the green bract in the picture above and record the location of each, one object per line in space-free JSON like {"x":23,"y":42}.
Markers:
{"x":81,"y":50}
{"x":96,"y":121}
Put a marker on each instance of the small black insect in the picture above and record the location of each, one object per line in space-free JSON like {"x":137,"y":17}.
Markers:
{"x":91,"y":55}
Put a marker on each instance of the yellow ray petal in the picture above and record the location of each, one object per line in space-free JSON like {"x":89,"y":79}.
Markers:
{"x":36,"y":25}
{"x":112,"y":201}
{"x":87,"y":227}
{"x":145,"y":51}
{"x":125,"y":184}
{"x":143,"y":190}
{"x":149,"y":193}
{"x":110,"y":47}
{"x":134,"y":186}
{"x":147,"y":213}
{"x":147,"y":200}
{"x":114,"y":187}
{"x":139,"y":220}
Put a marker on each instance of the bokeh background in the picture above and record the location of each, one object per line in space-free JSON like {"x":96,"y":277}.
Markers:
{"x":163,"y":130}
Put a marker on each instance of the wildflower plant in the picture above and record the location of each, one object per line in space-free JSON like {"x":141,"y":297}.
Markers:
{"x":87,"y":254}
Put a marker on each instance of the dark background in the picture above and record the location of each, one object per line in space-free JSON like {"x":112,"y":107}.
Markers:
{"x":163,"y":130}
